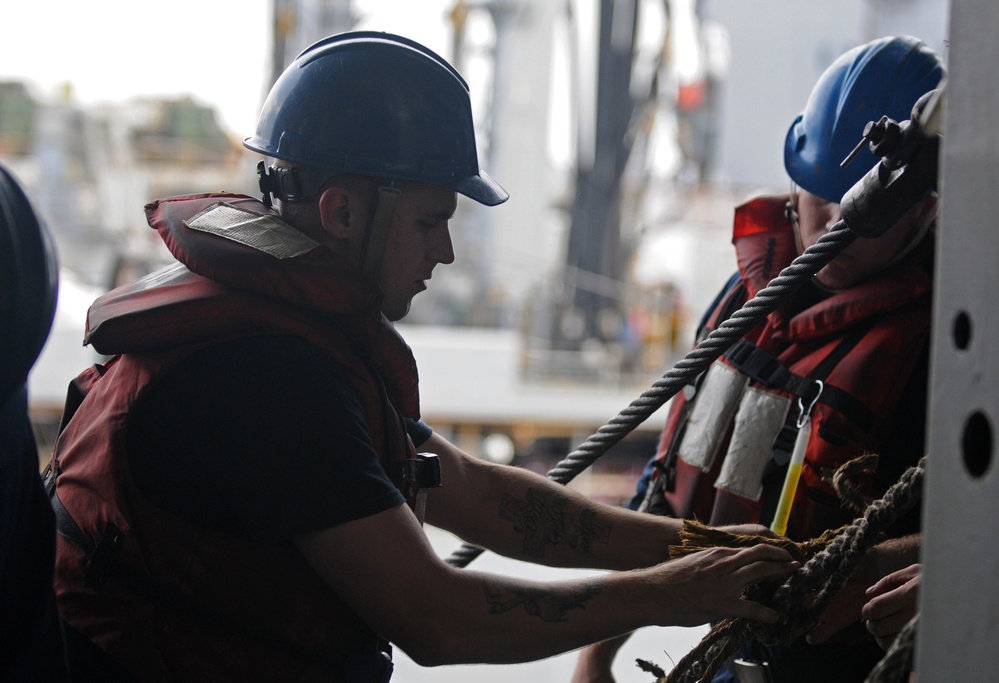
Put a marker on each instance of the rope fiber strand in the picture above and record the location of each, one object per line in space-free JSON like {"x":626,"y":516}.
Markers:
{"x":693,"y":364}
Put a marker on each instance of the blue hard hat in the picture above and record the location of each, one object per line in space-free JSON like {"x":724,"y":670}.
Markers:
{"x":375,"y":104}
{"x":884,"y":77}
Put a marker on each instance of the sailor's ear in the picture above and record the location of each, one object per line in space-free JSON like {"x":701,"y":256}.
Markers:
{"x":338,"y":211}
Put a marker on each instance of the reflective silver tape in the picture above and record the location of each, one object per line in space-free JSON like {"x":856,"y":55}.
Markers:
{"x":714,"y":406}
{"x":262,"y":232}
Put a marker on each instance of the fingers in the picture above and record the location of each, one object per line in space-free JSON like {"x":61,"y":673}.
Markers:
{"x":899,"y":603}
{"x":895,"y":602}
{"x":827,"y":628}
{"x":890,"y":625}
{"x":762,"y":563}
{"x":762,"y":552}
{"x":749,"y":530}
{"x":901,"y":597}
{"x":719,"y":577}
{"x":755,"y":564}
{"x":885,"y":643}
{"x":885,"y":585}
{"x":747,"y":609}
{"x":895,"y":579}
{"x":745,"y":561}
{"x":821,"y":632}
{"x":886,"y":629}
{"x":885,"y":605}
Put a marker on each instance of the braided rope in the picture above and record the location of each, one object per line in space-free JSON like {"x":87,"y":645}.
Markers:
{"x":693,"y":364}
{"x":703,"y":662}
{"x":827,"y":571}
{"x":840,"y":558}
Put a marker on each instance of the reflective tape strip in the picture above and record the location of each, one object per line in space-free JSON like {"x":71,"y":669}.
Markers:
{"x":759,"y":419}
{"x":715,"y":404}
{"x":263,"y":232}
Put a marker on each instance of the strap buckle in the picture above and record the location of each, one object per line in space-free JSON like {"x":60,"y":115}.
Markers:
{"x":416,"y":475}
{"x":423,"y":471}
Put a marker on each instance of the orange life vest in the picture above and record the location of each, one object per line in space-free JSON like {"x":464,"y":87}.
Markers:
{"x":862,"y":343}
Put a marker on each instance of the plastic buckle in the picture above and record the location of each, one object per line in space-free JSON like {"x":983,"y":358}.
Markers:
{"x":423,"y":471}
{"x":419,"y":474}
{"x":104,"y":555}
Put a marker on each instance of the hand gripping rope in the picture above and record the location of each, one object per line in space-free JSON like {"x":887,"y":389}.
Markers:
{"x":827,"y":564}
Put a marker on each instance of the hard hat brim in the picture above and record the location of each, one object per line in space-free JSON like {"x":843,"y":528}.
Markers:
{"x":483,"y":189}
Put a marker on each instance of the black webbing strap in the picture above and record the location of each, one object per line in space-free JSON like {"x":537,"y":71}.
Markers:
{"x":100,"y":556}
{"x":846,"y":403}
{"x":767,"y":369}
{"x":832,"y":396}
{"x":67,"y":527}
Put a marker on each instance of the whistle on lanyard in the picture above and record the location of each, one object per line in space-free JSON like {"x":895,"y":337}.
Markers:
{"x":779,"y":524}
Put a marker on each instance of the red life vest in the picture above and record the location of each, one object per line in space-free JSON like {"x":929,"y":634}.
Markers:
{"x":863,"y":343}
{"x":169,"y":600}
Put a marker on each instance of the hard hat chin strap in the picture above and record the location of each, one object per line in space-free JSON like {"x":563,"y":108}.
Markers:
{"x":288,"y":185}
{"x":377,"y":235}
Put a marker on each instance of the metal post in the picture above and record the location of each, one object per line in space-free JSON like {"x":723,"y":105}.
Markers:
{"x":959,"y":602}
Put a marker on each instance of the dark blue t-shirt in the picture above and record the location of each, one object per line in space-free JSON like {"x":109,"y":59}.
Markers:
{"x":262,"y":437}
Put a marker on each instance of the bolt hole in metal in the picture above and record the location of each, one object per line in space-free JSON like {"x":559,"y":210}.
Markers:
{"x":976,"y":444}
{"x":962,"y":331}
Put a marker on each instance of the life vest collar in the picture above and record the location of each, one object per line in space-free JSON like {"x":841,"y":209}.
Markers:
{"x":764,"y":243}
{"x":226,"y":285}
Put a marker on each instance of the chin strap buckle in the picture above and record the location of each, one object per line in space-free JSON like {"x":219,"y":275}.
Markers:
{"x":283,"y":183}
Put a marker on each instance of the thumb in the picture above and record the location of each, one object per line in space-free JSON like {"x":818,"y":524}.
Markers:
{"x":823,"y":631}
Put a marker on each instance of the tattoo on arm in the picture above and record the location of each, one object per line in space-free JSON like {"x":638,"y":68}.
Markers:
{"x":549,"y":605}
{"x":544,"y":521}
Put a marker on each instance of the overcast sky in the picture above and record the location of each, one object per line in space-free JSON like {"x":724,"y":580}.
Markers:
{"x":111,"y":50}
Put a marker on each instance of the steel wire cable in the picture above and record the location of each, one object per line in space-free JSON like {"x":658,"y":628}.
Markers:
{"x":693,"y":364}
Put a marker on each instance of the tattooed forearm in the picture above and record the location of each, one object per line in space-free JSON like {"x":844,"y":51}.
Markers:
{"x":548,"y":604}
{"x":589,"y":530}
{"x":544,"y":521}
